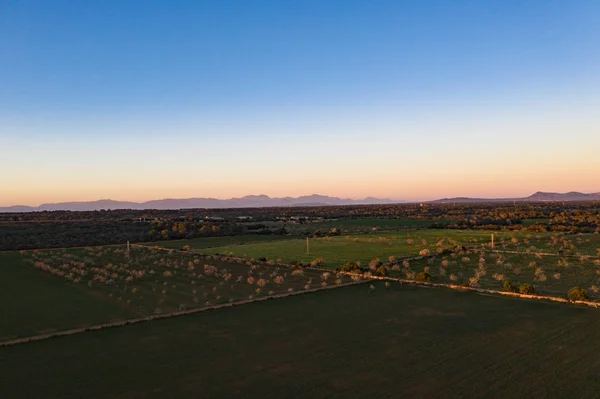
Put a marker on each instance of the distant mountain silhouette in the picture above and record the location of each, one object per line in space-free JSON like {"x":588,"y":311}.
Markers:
{"x":540,"y":196}
{"x":249,"y":201}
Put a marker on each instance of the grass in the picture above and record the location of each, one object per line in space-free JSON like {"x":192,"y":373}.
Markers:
{"x":207,"y":242}
{"x":34,"y":303}
{"x":61,"y":289}
{"x":399,"y":342}
{"x":342,"y":249}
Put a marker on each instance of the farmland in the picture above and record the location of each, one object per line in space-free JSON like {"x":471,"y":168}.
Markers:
{"x":550,"y":275}
{"x":80,"y":287}
{"x":398,"y":342}
{"x":363,"y":225}
{"x":559,"y":244}
{"x":209,"y":242}
{"x":363,"y":247}
{"x":37,"y":303}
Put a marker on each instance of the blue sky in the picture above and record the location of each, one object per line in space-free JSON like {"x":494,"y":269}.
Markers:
{"x":138,"y":100}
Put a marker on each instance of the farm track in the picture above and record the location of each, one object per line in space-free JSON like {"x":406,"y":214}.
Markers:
{"x":122,"y":323}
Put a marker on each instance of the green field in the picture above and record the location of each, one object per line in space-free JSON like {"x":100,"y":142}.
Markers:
{"x":400,"y":342}
{"x":342,"y":249}
{"x":207,"y":242}
{"x":53,"y":290}
{"x":567,"y":244}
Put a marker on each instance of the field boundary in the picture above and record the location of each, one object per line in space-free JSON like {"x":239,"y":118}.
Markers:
{"x":455,"y":287}
{"x":440,"y":285}
{"x":138,"y":320}
{"x":228,"y":245}
{"x":543,"y":254}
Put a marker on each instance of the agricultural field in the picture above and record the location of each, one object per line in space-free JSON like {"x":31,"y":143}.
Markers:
{"x":349,"y":342}
{"x":551,"y":275}
{"x":564,"y":244}
{"x":338,"y":250}
{"x":38,"y":303}
{"x":349,"y":226}
{"x":208,"y":242}
{"x":80,"y":287}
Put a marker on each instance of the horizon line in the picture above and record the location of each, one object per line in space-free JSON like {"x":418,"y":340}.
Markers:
{"x":296,"y":197}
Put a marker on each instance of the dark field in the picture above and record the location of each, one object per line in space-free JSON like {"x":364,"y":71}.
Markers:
{"x":365,"y":224}
{"x":400,"y":342}
{"x":52,"y":290}
{"x":208,"y":242}
{"x":36,"y":303}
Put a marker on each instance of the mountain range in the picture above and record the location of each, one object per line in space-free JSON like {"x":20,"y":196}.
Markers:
{"x":258,"y":201}
{"x":540,"y":196}
{"x":249,"y":201}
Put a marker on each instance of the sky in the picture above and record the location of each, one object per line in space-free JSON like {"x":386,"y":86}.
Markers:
{"x":408,"y":100}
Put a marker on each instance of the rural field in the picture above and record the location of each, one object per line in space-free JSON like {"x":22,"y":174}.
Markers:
{"x":338,"y":250}
{"x":38,"y":303}
{"x":550,"y":275}
{"x":558,"y":244}
{"x":208,"y":242}
{"x":349,"y":342}
{"x":351,"y":226}
{"x":53,"y":290}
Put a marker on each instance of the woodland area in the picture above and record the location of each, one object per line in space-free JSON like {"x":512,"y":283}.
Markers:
{"x":66,"y":229}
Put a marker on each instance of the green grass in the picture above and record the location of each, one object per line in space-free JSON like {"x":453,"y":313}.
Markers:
{"x":34,"y":303}
{"x":207,"y":242}
{"x":342,"y":249}
{"x":401,"y":342}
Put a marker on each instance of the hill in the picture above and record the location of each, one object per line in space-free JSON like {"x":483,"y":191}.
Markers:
{"x":539,"y":196}
{"x":249,"y":201}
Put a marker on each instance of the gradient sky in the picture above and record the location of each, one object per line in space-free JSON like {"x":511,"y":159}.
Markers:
{"x":139,"y":100}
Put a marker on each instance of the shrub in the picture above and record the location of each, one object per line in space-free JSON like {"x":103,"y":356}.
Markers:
{"x":578,"y":293}
{"x":350,"y":267}
{"x":527,"y":289}
{"x":424,"y":276}
{"x":185,"y":248}
{"x":375,"y":264}
{"x":382,"y":271}
{"x":318,"y":262}
{"x":509,"y":286}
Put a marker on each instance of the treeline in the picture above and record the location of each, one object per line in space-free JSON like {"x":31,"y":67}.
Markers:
{"x":192,"y":228}
{"x":31,"y":235}
{"x":585,"y":214}
{"x":63,"y":234}
{"x":65,"y":229}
